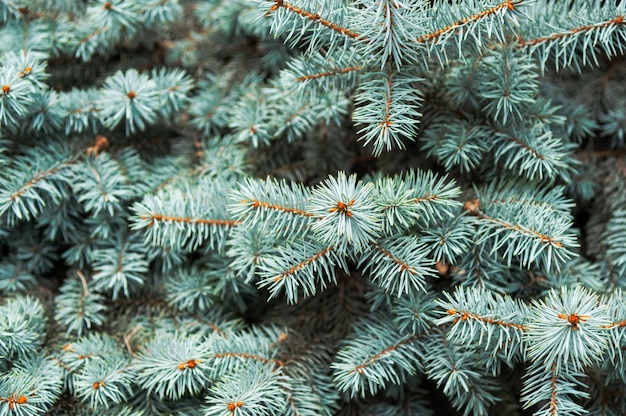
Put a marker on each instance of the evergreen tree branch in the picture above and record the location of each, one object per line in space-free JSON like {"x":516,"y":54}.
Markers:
{"x":154,"y":219}
{"x":463,"y":380}
{"x":544,"y":239}
{"x":405,"y":199}
{"x":398,"y":264}
{"x":304,"y":263}
{"x":360,"y":368}
{"x":79,"y":310}
{"x":479,"y":315}
{"x":184,"y":220}
{"x":258,"y":345}
{"x":300,"y":266}
{"x":530,"y":233}
{"x":465,"y":315}
{"x":579,"y":32}
{"x":437,"y":34}
{"x":279,"y":206}
{"x":255,"y":390}
{"x":31,"y":386}
{"x":38,"y":180}
{"x":334,"y":72}
{"x":387,"y":108}
{"x":349,"y":215}
{"x":173,"y":365}
{"x":365,"y":367}
{"x":313,"y":17}
{"x":573,"y":32}
{"x":247,"y":356}
{"x":557,"y":391}
{"x":533,"y":152}
{"x":178,"y":242}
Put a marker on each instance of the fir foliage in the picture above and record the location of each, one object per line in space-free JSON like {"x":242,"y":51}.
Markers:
{"x":297,"y":207}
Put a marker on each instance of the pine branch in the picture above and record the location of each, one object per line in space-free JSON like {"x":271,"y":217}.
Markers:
{"x":386,"y":358}
{"x":173,"y":365}
{"x":437,"y":35}
{"x":577,"y":38}
{"x":103,"y":185}
{"x":277,"y":206}
{"x":120,"y":265}
{"x":39,"y":180}
{"x":315,"y":76}
{"x":405,"y":199}
{"x":567,"y":328}
{"x":334,"y":72}
{"x":181,"y":226}
{"x":387,"y":31}
{"x":450,"y":238}
{"x":22,"y":321}
{"x":256,"y":390}
{"x":387,"y":108}
{"x":348,"y":215}
{"x":530,"y":234}
{"x":480,"y":316}
{"x":31,"y":386}
{"x":247,"y":348}
{"x":533,"y":153}
{"x":397,"y":264}
{"x":571,"y":32}
{"x":558,"y":392}
{"x":456,"y":143}
{"x":155,"y":218}
{"x":77,"y":307}
{"x":300,"y":268}
{"x":414,"y":314}
{"x":313,"y":17}
{"x":464,"y":381}
{"x":183,"y":221}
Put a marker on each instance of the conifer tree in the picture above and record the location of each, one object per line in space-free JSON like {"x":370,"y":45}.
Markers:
{"x":297,"y":207}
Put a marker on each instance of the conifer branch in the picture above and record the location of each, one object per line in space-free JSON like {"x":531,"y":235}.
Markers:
{"x":537,"y":233}
{"x":38,"y":180}
{"x":300,"y":268}
{"x":248,"y":356}
{"x":545,"y":239}
{"x":398,"y":264}
{"x":526,"y":147}
{"x":206,"y":196}
{"x":433,"y":36}
{"x":386,"y":122}
{"x":312,"y":17}
{"x":480,"y":316}
{"x":465,"y":315}
{"x":292,"y":270}
{"x":336,"y":71}
{"x":617,"y":324}
{"x":37,"y":177}
{"x":153,"y":220}
{"x":556,"y":389}
{"x":360,"y":368}
{"x":387,"y":108}
{"x":365,"y":367}
{"x":573,"y":32}
{"x":403,"y":265}
{"x":276,"y":207}
{"x":279,"y":205}
{"x":553,"y":391}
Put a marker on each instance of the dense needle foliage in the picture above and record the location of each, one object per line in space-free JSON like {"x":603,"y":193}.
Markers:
{"x":298,"y":207}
